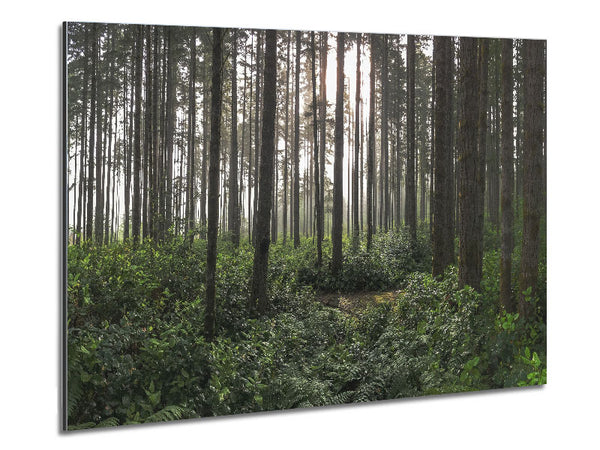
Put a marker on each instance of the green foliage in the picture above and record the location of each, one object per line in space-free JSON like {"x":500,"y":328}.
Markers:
{"x":136,"y":351}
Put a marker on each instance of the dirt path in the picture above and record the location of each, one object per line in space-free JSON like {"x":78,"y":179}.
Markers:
{"x":355,"y":302}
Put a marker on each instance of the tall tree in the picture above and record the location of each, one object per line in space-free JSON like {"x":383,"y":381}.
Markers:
{"x":296,"y":202}
{"x":357,"y":127}
{"x":92,"y":128}
{"x":316,"y":149}
{"x":371,"y":147}
{"x":261,"y":252}
{"x":234,"y":210}
{"x":323,"y":119}
{"x":213,"y":182}
{"x":410,"y":190}
{"x":170,"y":117}
{"x":469,"y":265}
{"x":99,"y":210}
{"x":286,"y":137}
{"x":137,"y":139}
{"x":442,"y":232}
{"x":338,"y":174}
{"x":534,"y":72}
{"x":191,"y":163}
{"x":507,"y":161}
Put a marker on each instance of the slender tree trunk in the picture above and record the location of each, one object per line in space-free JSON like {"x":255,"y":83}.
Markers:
{"x":82,"y":156}
{"x":317,"y":175}
{"x":136,"y":207}
{"x":323,"y":117}
{"x":205,"y":136}
{"x":296,"y":205}
{"x":506,"y":298}
{"x":99,"y":206}
{"x":170,"y":126}
{"x":357,"y":163}
{"x":371,"y":147}
{"x":92,"y":145}
{"x":469,"y":268}
{"x":338,"y":213}
{"x":286,"y":138}
{"x":384,"y":136}
{"x":257,"y":127}
{"x":191,"y":165}
{"x":213,"y":183}
{"x":109,"y":152}
{"x":234,"y":210}
{"x":442,"y":236}
{"x":534,"y":71}
{"x":261,"y":253}
{"x":411,"y":193}
{"x":148,"y":154}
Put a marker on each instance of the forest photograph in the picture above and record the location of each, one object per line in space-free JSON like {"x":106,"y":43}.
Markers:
{"x":262,"y":220}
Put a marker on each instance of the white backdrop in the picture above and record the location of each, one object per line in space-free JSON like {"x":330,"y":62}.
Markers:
{"x":562,"y":413}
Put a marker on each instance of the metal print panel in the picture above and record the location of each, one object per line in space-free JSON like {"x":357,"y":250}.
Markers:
{"x":263,"y":220}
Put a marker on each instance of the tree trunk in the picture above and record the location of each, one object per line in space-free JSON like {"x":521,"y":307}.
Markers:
{"x":357,"y":163}
{"x":442,"y":233}
{"x":317,"y":174}
{"x":323,"y":117}
{"x":99,"y":209}
{"x":469,"y":267}
{"x":137,"y":137}
{"x":296,"y":205}
{"x":338,"y":212}
{"x":234,"y":210}
{"x":92,"y":144}
{"x":261,"y":252}
{"x":506,"y":298}
{"x":371,"y":147}
{"x":191,"y":165}
{"x":286,"y":137}
{"x":213,"y":183}
{"x":534,"y":72}
{"x":411,"y":193}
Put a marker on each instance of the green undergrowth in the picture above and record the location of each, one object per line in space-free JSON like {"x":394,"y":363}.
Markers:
{"x":136,"y":351}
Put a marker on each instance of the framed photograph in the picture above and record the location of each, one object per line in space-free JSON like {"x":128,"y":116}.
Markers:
{"x":260,"y":220}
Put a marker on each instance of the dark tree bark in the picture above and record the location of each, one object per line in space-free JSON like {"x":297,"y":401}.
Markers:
{"x":411,"y":192}
{"x":99,"y":209}
{"x":338,"y":200}
{"x":234,"y":210}
{"x":170,"y":125}
{"x":213,"y":182}
{"x":385,"y":182}
{"x":286,"y":138}
{"x":534,"y":72}
{"x":323,"y":119}
{"x":442,"y":232}
{"x":371,"y":148}
{"x":109,"y":150}
{"x":296,"y":205}
{"x":257,"y":127}
{"x":82,"y":156}
{"x":355,"y":201}
{"x":205,"y":137}
{"x":191,"y":163}
{"x":507,"y":161}
{"x":92,"y":145}
{"x":148,"y":154}
{"x":317,"y":174}
{"x":261,"y":253}
{"x":137,"y":138}
{"x":469,"y":267}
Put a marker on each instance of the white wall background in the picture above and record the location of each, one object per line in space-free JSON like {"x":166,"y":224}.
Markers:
{"x":563,"y":413}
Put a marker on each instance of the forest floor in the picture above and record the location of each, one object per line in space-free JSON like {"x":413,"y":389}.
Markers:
{"x":355,"y":302}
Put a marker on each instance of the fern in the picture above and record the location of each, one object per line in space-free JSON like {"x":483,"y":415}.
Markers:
{"x":168,"y":413}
